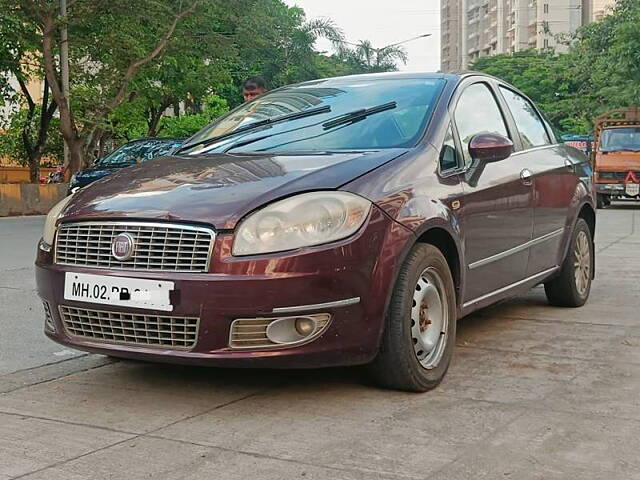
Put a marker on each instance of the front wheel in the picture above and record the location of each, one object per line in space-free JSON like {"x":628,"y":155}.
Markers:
{"x":420,"y":330}
{"x":572,"y":286}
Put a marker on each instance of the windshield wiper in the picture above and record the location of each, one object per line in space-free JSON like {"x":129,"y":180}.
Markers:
{"x":256,"y":125}
{"x":358,"y":115}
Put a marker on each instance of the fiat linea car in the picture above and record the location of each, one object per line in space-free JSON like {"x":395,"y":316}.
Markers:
{"x":344,"y":221}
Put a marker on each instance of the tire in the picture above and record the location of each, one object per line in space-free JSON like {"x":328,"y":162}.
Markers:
{"x":600,"y":200}
{"x":404,"y":361}
{"x":572,"y":286}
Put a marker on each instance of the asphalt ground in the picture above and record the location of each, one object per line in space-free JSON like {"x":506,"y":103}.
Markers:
{"x":534,"y":392}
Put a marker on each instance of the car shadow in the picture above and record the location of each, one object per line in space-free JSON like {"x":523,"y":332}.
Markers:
{"x":623,"y":205}
{"x":156,"y":375}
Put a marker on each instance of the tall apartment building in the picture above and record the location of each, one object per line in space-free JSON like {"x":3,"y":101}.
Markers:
{"x":475,"y":28}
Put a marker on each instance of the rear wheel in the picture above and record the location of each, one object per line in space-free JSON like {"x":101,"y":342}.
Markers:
{"x":572,"y":286}
{"x":420,"y":332}
{"x":600,"y":200}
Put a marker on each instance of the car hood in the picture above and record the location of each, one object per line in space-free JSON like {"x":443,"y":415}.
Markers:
{"x":216,"y":189}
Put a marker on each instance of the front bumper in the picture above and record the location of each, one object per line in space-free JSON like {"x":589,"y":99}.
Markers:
{"x":363,"y":266}
{"x":610,"y":188}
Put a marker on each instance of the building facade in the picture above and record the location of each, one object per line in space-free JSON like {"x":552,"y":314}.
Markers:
{"x":474,"y":28}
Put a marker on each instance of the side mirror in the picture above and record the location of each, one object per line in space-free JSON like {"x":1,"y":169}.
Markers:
{"x":490,"y":147}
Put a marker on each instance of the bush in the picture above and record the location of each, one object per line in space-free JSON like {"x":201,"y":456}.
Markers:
{"x":186,"y":125}
{"x":12,"y":146}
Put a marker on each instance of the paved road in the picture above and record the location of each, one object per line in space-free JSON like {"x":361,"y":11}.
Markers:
{"x":534,"y":392}
{"x":22,"y":344}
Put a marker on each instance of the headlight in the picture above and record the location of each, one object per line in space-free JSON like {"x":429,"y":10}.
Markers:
{"x":50,"y":223}
{"x":301,"y":221}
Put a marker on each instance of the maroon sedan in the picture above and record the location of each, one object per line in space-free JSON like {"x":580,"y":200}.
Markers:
{"x":342,"y":221}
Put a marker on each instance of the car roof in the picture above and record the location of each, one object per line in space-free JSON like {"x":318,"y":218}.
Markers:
{"x":372,"y":77}
{"x":155,"y":139}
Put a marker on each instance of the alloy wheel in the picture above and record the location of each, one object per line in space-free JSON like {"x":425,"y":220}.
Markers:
{"x":582,"y":263}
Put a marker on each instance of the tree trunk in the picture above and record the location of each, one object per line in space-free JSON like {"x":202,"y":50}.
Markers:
{"x":36,"y":148}
{"x":75,"y":138}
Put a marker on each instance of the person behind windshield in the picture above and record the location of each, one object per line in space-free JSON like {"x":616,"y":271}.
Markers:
{"x":252,"y":87}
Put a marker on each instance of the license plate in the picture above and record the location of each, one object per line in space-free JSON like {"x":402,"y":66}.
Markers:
{"x":632,"y":189}
{"x":122,"y":291}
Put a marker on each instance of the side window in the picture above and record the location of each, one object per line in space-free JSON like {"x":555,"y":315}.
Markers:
{"x":529,"y":123}
{"x":477,"y":112}
{"x":448,"y":152}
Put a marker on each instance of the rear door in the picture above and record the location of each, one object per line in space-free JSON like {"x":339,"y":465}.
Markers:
{"x":554,"y":180}
{"x":497,"y":210}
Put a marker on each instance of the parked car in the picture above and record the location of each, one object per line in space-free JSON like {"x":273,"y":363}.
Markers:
{"x":130,"y":153}
{"x":343,"y":221}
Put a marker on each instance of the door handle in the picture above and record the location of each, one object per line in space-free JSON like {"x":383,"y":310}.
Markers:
{"x":526,"y":177}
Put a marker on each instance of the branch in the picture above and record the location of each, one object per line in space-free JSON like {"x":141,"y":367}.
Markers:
{"x":27,"y":95}
{"x":136,"y":64}
{"x":67,"y":127}
{"x":46,"y":115}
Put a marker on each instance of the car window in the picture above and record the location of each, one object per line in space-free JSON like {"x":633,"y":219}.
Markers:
{"x":477,"y":112}
{"x":529,"y":123}
{"x":138,"y":151}
{"x":620,"y":140}
{"x":448,"y":153}
{"x":409,"y":103}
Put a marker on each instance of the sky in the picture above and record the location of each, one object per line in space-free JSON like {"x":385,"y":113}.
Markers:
{"x":384,"y":22}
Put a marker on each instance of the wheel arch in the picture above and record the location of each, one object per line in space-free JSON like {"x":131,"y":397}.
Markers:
{"x":444,"y":241}
{"x":588,"y":214}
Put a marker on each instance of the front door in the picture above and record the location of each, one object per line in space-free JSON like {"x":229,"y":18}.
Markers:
{"x":497,"y":210}
{"x":554,"y":181}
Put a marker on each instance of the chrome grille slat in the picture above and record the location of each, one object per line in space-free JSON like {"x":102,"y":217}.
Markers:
{"x":159,"y":247}
{"x":131,"y":329}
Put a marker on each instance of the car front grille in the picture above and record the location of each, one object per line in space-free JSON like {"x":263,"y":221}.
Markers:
{"x":158,"y":247}
{"x":131,"y":329}
{"x":618,"y":176}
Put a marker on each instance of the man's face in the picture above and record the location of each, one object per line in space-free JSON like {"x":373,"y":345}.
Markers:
{"x":251,"y":94}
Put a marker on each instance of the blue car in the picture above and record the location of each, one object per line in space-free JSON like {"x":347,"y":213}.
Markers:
{"x":136,"y":151}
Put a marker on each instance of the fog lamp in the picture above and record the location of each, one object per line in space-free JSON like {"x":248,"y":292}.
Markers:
{"x":305,"y":326}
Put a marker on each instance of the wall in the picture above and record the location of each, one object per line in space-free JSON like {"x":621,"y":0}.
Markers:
{"x":20,"y":174}
{"x":30,"y":199}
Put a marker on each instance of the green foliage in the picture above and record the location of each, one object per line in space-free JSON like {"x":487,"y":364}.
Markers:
{"x":186,"y":125}
{"x":12,"y":144}
{"x":600,"y":72}
{"x":212,"y":51}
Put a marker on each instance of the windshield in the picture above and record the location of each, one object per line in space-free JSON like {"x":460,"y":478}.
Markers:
{"x":390,"y":114}
{"x":136,"y":152}
{"x":620,"y":139}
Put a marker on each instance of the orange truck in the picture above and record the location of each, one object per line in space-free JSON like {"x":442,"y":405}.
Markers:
{"x":616,"y":155}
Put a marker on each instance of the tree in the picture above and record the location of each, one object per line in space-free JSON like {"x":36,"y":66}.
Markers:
{"x":366,"y":58}
{"x":17,"y":61}
{"x":546,"y":78}
{"x":600,"y":72}
{"x":110,"y":43}
{"x":186,"y":125}
{"x":132,"y":60}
